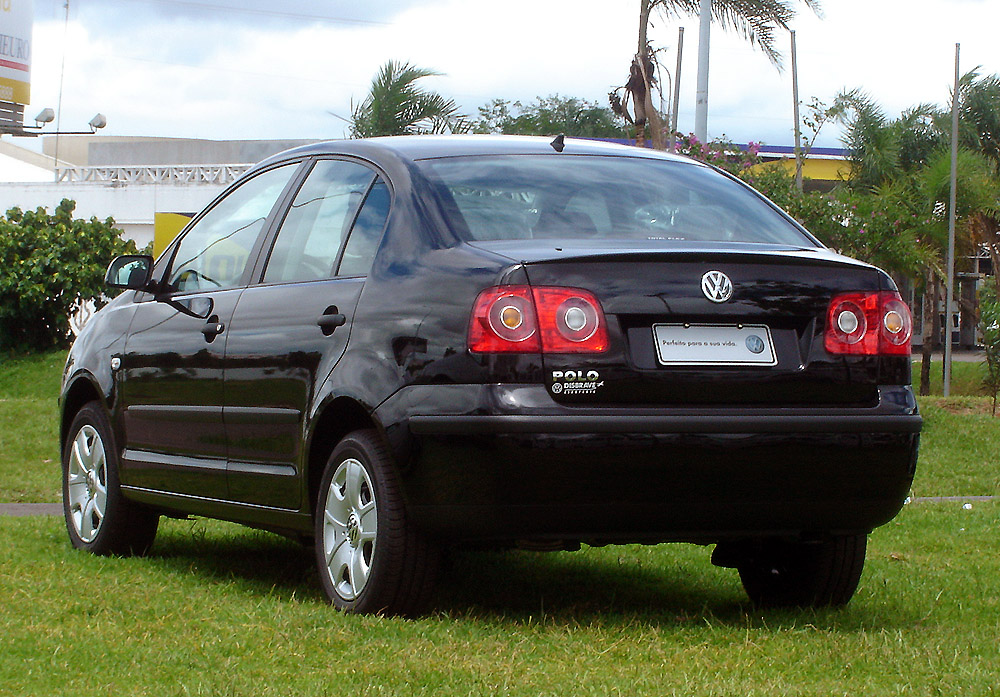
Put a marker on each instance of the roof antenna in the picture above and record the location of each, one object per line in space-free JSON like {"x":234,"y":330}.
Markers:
{"x":558,"y":143}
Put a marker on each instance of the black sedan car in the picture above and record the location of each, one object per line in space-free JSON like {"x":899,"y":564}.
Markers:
{"x":394,"y":346}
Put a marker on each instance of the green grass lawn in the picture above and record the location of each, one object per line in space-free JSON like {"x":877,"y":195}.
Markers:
{"x":220,"y":610}
{"x":29,"y":427}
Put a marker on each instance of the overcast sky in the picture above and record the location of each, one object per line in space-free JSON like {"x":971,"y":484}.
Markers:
{"x":243,"y":69}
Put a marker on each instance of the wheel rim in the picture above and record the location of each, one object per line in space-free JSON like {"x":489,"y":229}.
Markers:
{"x":87,"y":483}
{"x":350,"y":526}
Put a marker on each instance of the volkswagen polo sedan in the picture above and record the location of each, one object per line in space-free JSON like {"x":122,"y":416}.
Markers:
{"x":390,"y":347}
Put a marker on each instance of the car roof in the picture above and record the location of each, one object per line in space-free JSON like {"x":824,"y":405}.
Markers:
{"x":420,"y":147}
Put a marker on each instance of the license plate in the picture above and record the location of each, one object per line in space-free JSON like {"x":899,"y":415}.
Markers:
{"x":714,"y":344}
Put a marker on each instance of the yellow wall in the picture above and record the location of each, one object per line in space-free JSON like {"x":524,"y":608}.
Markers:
{"x":822,"y":170}
{"x":166,"y":226}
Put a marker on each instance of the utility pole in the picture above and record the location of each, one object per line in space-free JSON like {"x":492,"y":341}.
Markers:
{"x":701,"y":101}
{"x":798,"y":129}
{"x":675,"y":107}
{"x":62,"y":74}
{"x":950,"y":290}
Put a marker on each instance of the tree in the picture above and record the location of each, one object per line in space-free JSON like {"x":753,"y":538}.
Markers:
{"x":989,"y":325}
{"x":979,"y":113}
{"x":550,"y":115}
{"x":395,"y":105}
{"x":50,"y":265}
{"x":755,"y":20}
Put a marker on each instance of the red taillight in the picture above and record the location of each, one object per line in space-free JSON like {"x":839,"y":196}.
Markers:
{"x":868,"y":324}
{"x":520,"y":319}
{"x":504,"y":321}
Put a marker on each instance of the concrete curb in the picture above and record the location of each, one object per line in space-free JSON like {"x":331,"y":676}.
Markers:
{"x":20,"y":510}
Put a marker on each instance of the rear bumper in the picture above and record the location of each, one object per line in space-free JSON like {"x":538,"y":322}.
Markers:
{"x":668,"y":423}
{"x":506,"y":462}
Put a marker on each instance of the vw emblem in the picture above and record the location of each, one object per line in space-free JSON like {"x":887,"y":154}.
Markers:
{"x":755,"y":344}
{"x":716,"y":286}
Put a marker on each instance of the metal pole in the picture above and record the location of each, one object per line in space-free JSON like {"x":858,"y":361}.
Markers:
{"x":701,"y":100}
{"x":950,"y":290}
{"x":62,"y":73}
{"x":677,"y":91}
{"x":795,"y":100}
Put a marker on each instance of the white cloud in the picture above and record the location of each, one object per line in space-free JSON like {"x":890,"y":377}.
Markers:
{"x":182,"y":75}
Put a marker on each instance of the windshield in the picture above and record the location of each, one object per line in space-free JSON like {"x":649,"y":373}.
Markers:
{"x":512,"y":197}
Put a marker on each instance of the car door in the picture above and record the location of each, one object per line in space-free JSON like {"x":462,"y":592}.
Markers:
{"x":171,"y":374}
{"x":289,"y":331}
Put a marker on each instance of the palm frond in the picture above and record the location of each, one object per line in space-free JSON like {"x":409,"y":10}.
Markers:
{"x":395,"y":105}
{"x":755,"y":20}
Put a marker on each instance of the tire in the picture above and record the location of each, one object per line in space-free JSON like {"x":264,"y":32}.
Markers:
{"x":99,"y":518}
{"x":804,"y":574}
{"x":371,"y":560}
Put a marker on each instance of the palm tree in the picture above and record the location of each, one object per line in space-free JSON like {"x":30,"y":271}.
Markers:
{"x":395,"y":105}
{"x":756,"y":20}
{"x":979,"y":110}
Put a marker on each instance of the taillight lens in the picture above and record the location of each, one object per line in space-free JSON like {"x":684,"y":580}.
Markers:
{"x":504,"y":321}
{"x":868,"y":324}
{"x":521,"y":319}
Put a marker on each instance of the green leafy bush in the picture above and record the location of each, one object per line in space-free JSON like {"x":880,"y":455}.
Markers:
{"x":989,"y":325}
{"x":49,"y":264}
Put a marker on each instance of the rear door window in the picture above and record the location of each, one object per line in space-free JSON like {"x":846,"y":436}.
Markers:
{"x":318,"y":222}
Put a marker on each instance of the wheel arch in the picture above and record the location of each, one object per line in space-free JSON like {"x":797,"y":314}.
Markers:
{"x":82,"y":390}
{"x":339,"y":417}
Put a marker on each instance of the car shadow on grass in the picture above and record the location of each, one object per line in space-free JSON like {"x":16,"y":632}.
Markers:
{"x":668,"y":585}
{"x":256,"y":562}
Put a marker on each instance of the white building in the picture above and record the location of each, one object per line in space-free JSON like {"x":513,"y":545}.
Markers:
{"x":129,"y":179}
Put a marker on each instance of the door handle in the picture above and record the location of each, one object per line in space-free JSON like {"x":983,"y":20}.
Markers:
{"x":330,"y":320}
{"x":212,"y":329}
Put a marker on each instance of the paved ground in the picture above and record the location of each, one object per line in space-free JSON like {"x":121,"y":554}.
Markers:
{"x":24,"y":509}
{"x":959,"y":356}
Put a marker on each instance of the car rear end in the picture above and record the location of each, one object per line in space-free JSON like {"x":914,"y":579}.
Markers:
{"x":660,"y":384}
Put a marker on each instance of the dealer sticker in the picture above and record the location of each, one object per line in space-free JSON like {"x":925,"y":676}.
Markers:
{"x":576,"y":382}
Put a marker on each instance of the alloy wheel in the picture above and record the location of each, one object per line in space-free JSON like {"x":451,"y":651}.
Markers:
{"x":350,"y":527}
{"x":88,"y":483}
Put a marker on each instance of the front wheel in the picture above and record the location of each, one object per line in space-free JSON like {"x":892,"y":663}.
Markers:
{"x":98,"y":518}
{"x":370,"y":558}
{"x":804,"y":574}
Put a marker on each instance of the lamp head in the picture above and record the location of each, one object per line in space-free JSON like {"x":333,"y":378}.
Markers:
{"x":46,"y":115}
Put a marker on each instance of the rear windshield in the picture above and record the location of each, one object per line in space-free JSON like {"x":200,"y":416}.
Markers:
{"x":513,"y":197}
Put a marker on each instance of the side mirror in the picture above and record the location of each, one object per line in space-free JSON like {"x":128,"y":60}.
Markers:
{"x":132,"y":271}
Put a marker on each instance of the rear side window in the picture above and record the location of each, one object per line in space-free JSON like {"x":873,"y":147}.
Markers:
{"x":318,"y":221}
{"x":512,"y":197}
{"x":213,"y":253}
{"x":366,"y":233}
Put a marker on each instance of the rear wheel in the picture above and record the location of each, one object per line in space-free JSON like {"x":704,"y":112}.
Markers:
{"x":370,"y":558}
{"x":98,"y":518}
{"x":804,"y":574}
